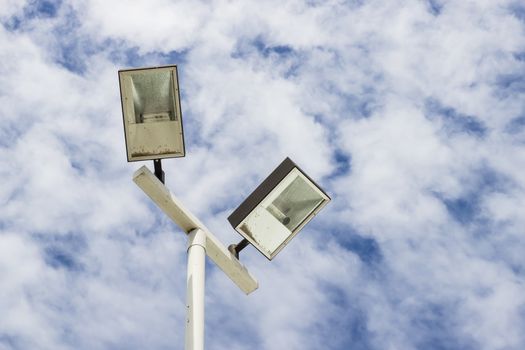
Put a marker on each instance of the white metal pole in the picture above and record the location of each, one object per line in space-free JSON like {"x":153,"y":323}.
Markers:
{"x":195,"y":290}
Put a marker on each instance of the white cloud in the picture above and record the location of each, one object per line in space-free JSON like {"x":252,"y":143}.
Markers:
{"x":149,"y":25}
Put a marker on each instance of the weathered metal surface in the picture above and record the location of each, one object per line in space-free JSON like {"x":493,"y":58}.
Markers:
{"x":151,"y":113}
{"x":162,"y":138}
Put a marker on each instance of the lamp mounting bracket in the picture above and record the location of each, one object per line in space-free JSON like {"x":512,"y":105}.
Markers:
{"x":236,"y":248}
{"x":159,"y":173}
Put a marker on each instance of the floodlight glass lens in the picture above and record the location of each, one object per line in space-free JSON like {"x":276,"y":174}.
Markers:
{"x":280,"y":215}
{"x":295,"y":203}
{"x":153,"y":96}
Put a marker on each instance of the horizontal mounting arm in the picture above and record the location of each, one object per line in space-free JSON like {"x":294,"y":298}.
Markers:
{"x":217,"y":252}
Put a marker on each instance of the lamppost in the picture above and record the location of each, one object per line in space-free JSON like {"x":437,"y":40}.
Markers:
{"x":268,"y":219}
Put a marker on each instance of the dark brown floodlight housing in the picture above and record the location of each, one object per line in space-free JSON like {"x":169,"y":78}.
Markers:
{"x":278,"y":208}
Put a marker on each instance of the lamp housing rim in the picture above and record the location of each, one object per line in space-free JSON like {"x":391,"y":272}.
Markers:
{"x":262,"y":191}
{"x":154,"y":157}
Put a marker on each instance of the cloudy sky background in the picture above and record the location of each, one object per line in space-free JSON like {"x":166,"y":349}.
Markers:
{"x":410,"y":114}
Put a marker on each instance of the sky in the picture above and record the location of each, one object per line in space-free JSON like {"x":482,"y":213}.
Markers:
{"x":409,"y":113}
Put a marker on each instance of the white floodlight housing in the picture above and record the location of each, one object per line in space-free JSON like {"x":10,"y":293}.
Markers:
{"x":278,"y":209}
{"x":152,"y":115}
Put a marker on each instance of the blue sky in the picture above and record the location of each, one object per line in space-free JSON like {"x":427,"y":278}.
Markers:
{"x":410,"y":114}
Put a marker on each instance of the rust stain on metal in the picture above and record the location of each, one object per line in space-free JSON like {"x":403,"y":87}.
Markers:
{"x":244,"y":227}
{"x":144,"y":154}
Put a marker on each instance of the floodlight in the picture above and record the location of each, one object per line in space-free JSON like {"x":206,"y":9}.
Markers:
{"x":278,"y":209}
{"x":152,"y":114}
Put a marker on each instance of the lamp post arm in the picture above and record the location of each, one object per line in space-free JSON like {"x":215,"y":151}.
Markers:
{"x":174,"y":209}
